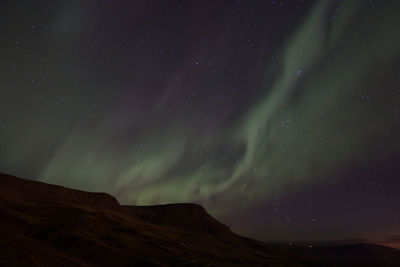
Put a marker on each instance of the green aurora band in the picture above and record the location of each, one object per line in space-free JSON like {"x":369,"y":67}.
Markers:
{"x":294,"y":134}
{"x":282,"y":141}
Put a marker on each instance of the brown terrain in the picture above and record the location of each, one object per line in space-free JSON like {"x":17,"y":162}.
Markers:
{"x":50,"y":225}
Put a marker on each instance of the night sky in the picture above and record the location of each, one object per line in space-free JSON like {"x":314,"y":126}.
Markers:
{"x":282,"y":118}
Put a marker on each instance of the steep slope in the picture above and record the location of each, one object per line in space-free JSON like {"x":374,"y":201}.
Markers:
{"x":49,"y":225}
{"x":185,"y":216}
{"x":91,"y":229}
{"x":38,"y":192}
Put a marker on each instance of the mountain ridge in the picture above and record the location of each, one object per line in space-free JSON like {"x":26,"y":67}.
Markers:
{"x":40,"y":192}
{"x":50,"y":225}
{"x":79,"y":228}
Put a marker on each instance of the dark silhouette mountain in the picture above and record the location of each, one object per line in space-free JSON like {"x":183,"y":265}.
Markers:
{"x":49,"y":225}
{"x":38,"y":192}
{"x":185,"y":216}
{"x":43,"y":224}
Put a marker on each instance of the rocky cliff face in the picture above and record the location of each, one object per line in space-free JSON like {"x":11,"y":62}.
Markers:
{"x":49,"y":225}
{"x":38,"y":192}
{"x":187,"y":216}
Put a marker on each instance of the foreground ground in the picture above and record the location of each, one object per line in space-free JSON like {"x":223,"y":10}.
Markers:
{"x":49,"y":225}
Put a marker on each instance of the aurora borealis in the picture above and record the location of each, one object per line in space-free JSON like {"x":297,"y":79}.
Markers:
{"x":282,"y":118}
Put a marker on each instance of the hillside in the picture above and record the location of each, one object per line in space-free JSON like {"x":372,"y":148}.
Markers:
{"x":42,"y":224}
{"x":50,"y":225}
